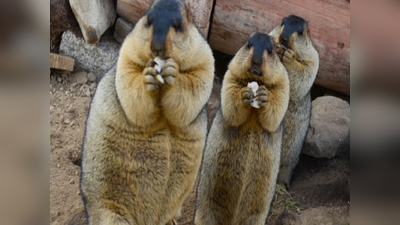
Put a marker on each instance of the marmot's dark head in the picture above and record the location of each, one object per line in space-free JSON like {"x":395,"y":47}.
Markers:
{"x":294,"y":32}
{"x":168,"y":21}
{"x":255,"y":58}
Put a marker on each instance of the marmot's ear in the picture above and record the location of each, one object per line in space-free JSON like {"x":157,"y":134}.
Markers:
{"x":273,"y":41}
{"x":283,"y":20}
{"x":305,"y":28}
{"x":307,"y":31}
{"x":305,"y":25}
{"x":188,"y":14}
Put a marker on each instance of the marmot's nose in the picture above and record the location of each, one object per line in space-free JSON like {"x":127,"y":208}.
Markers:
{"x":256,"y":61}
{"x":158,"y":47}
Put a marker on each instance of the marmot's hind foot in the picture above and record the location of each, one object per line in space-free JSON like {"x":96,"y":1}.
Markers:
{"x":172,"y":222}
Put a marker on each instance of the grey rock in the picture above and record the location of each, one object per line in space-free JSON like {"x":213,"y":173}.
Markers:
{"x":97,"y":58}
{"x":329,"y":127}
{"x":94,"y":17}
{"x":87,"y":93}
{"x":79,"y":78}
{"x":92,"y":87}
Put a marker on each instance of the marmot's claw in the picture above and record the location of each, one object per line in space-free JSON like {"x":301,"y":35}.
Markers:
{"x":262,"y":96}
{"x":247,"y":95}
{"x":280,"y":49}
{"x":289,"y":56}
{"x":151,"y":83}
{"x":170,"y":71}
{"x":172,"y":222}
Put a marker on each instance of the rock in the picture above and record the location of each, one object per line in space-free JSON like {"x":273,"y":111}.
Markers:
{"x":122,"y":29}
{"x":329,"y":127}
{"x":92,"y":77}
{"x":79,"y":78}
{"x":98,"y":58}
{"x":94,"y":17}
{"x":92,"y":86}
{"x":87,"y":93}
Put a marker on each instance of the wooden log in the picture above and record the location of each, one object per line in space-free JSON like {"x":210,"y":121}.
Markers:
{"x":122,"y":29}
{"x":329,"y":20}
{"x":60,"y":62}
{"x":133,"y":10}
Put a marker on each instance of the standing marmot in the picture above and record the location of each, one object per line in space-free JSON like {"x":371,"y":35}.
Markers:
{"x":301,"y":61}
{"x":144,"y":139}
{"x":241,"y":160}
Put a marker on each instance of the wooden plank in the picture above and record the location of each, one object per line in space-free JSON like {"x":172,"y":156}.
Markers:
{"x":122,"y":29}
{"x":329,"y":20}
{"x":133,"y":10}
{"x":61,"y":62}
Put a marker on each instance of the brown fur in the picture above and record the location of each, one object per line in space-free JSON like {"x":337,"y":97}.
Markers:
{"x":241,"y":159}
{"x":143,"y":143}
{"x":301,"y":61}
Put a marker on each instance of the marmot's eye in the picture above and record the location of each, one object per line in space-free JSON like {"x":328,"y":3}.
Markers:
{"x":249,"y":44}
{"x":149,"y":22}
{"x":177,"y":26}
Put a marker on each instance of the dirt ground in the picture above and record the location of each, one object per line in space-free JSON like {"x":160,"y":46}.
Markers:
{"x":319,"y":193}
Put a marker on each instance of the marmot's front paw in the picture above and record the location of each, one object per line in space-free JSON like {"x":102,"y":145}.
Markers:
{"x":247,"y":95}
{"x":289,"y":56}
{"x":262,"y":96}
{"x":170,"y":71}
{"x":150,"y":81}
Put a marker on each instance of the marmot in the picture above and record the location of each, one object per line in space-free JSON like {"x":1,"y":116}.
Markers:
{"x":241,"y":160}
{"x":301,"y":61}
{"x":144,"y":139}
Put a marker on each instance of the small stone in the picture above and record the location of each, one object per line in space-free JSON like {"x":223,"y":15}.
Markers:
{"x":67,"y":121}
{"x":92,"y":77}
{"x":329,"y":130}
{"x":84,"y":87}
{"x":79,"y":78}
{"x":58,"y":165}
{"x":61,"y":89}
{"x":71,"y":181}
{"x":92,"y":86}
{"x":70,"y":109}
{"x":76,"y":173}
{"x":87,"y":93}
{"x":72,"y":124}
{"x":59,"y":79}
